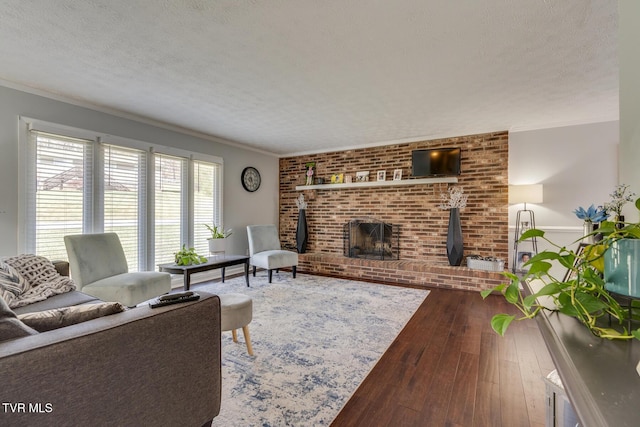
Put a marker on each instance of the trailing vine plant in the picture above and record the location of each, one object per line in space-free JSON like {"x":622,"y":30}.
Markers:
{"x":580,"y":293}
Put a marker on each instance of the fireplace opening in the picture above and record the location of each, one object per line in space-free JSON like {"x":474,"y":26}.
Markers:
{"x":371,"y":239}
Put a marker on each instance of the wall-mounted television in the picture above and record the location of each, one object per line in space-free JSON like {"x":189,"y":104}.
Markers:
{"x":436,"y":162}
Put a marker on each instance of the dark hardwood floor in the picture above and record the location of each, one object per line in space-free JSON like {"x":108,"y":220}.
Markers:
{"x":448,"y":368}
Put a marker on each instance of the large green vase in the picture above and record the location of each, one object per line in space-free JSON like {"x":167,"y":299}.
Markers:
{"x":622,"y":267}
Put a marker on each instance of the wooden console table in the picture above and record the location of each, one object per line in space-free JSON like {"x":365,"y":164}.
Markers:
{"x":598,"y":375}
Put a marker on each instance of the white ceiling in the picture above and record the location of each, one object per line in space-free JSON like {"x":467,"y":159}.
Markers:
{"x":296,"y":76}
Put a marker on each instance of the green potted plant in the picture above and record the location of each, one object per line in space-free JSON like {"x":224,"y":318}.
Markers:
{"x":584,"y":292}
{"x":217,"y":241}
{"x":188,"y":256}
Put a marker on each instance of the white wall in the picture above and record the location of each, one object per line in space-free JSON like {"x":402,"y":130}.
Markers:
{"x":240,"y":207}
{"x":577,"y":165}
{"x":629,"y":31}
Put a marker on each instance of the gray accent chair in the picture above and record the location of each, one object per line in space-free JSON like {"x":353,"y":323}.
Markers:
{"x":265,"y":250}
{"x":99,"y":268}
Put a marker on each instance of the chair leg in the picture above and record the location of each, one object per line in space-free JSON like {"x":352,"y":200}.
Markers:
{"x":247,"y":339}
{"x":254,"y":271}
{"x":294,"y":271}
{"x":270,"y":275}
{"x":235,"y":335}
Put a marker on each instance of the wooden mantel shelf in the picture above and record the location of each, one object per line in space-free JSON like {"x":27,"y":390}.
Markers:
{"x":446,"y":180}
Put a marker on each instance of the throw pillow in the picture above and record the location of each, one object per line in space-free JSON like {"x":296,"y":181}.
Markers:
{"x":10,"y":326}
{"x":48,"y":320}
{"x":12,"y":284}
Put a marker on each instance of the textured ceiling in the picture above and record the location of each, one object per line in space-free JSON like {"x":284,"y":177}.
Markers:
{"x":294,"y":76}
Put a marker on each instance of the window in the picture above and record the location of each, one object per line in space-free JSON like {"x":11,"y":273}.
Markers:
{"x":124,"y":203}
{"x":168,"y":210}
{"x":206,"y":202}
{"x":154,"y":198}
{"x":62,"y":191}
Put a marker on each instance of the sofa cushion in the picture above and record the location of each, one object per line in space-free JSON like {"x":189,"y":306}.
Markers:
{"x":10,"y":326}
{"x":66,"y":299}
{"x":48,"y":320}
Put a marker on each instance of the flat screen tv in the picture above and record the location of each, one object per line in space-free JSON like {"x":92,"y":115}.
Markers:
{"x":436,"y":162}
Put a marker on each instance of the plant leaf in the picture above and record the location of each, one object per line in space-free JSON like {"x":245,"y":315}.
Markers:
{"x":513,"y":292}
{"x":500,"y":323}
{"x":539,"y":267}
{"x":534,"y":232}
{"x":590,"y":303}
{"x":485,"y":293}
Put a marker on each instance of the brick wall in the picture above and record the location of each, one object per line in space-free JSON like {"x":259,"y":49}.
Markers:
{"x":423,"y":225}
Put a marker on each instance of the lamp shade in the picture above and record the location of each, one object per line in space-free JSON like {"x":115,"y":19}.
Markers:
{"x":525,"y":193}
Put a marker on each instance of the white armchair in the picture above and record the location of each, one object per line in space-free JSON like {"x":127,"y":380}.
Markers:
{"x":265,"y":250}
{"x":99,"y":268}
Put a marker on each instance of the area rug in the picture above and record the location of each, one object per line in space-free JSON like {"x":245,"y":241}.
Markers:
{"x":314,"y":339}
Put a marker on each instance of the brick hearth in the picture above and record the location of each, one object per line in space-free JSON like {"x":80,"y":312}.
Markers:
{"x":401,"y":272}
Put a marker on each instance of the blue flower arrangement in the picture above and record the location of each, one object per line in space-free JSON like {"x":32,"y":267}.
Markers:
{"x":592,"y":214}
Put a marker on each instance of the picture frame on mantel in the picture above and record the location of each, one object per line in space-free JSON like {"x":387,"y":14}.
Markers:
{"x":362,"y":176}
{"x":382,"y":175}
{"x":397,"y":175}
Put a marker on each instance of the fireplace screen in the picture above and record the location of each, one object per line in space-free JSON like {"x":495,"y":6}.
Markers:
{"x":371,"y":239}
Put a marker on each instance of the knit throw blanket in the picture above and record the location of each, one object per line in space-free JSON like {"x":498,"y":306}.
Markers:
{"x":25,"y":279}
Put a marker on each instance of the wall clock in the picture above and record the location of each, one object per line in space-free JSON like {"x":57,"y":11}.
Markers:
{"x":250,"y":179}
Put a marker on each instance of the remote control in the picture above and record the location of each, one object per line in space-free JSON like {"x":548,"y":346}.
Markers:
{"x":184,"y":298}
{"x":175,"y":296}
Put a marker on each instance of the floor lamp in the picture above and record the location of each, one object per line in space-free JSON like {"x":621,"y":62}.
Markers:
{"x":525,"y":218}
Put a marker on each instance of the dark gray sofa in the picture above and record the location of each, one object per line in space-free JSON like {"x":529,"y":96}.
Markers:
{"x":156,"y":367}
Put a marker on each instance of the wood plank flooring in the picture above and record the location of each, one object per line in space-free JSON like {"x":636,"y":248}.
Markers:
{"x":448,"y":368}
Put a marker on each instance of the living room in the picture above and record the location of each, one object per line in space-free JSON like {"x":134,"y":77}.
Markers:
{"x":578,"y":160}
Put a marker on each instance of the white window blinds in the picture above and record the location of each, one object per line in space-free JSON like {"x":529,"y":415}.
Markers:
{"x":62,"y":201}
{"x":77,"y":181}
{"x":206,"y":206}
{"x":169,"y":193}
{"x":124,"y":203}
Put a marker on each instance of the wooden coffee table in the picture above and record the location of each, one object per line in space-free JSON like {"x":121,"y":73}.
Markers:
{"x":214,"y":262}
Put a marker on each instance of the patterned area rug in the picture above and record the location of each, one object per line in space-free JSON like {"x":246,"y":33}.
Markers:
{"x":314,"y":339}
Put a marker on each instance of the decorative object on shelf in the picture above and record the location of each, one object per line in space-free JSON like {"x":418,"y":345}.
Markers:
{"x":455,"y":243}
{"x":320,"y":181}
{"x":582,"y":292}
{"x":348,"y":179}
{"x":590,"y":216}
{"x":622,"y":268}
{"x":454,"y":200}
{"x":251,"y":179}
{"x":382,"y":175}
{"x":311,"y":169}
{"x":397,"y":174}
{"x":337,"y":178}
{"x":362,"y":176}
{"x":620,"y":196}
{"x":490,"y":263}
{"x":188,"y":257}
{"x":217,"y":241}
{"x":301,"y":232}
{"x":524,"y":194}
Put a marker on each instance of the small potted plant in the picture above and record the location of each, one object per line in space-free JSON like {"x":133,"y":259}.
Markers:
{"x":188,"y":256}
{"x":217,"y":242}
{"x":620,"y":196}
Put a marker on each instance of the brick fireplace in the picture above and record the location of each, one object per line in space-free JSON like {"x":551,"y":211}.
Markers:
{"x":415,"y":208}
